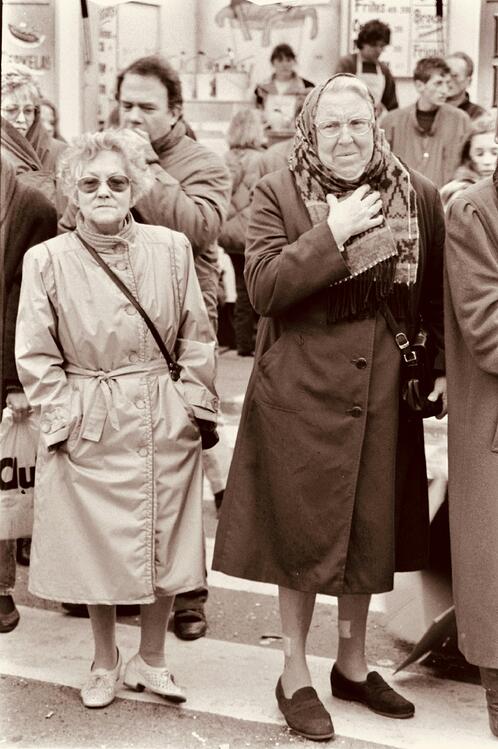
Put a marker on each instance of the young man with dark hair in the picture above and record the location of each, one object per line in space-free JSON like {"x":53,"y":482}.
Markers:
{"x":373,"y":37}
{"x":461,"y":70}
{"x":429,"y":134}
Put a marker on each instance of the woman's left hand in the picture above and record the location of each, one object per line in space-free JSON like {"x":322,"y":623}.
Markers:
{"x":440,"y":390}
{"x":18,"y":404}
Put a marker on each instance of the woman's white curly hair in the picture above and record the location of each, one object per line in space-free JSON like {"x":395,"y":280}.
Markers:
{"x":15,"y":75}
{"x":130,"y":146}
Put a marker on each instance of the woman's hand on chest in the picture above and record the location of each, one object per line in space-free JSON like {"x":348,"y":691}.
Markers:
{"x":355,"y":214}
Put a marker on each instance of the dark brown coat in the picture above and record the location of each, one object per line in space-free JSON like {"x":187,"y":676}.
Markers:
{"x":327,"y":490}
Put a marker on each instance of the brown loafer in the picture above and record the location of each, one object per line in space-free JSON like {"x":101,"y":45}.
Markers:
{"x":374,"y":692}
{"x":305,"y":713}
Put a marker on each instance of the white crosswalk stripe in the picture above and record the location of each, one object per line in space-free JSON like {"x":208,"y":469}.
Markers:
{"x":238,"y":681}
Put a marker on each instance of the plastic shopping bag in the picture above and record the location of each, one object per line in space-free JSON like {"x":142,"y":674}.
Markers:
{"x":18,"y":443}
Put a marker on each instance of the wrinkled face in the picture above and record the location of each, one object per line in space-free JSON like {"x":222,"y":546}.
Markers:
{"x":435,"y":92}
{"x":347,"y":154}
{"x":143,"y":105}
{"x":48,"y":119}
{"x":103,"y":209}
{"x":372,"y":52}
{"x":284,"y":68}
{"x":459,"y":80}
{"x":484,"y":154}
{"x":19,"y":109}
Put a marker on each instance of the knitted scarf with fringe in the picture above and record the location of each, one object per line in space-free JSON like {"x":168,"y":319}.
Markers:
{"x":382,"y":261}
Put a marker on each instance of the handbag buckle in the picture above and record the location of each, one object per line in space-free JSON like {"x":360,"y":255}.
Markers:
{"x":410,"y":357}
{"x":402,"y":341}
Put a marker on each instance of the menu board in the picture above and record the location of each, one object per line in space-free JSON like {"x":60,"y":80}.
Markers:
{"x":416,"y":30}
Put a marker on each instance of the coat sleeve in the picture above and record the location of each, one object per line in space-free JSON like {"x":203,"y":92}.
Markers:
{"x":279,"y":274}
{"x":389,"y":98}
{"x":432,"y":297}
{"x":472,"y":271}
{"x":39,"y":225}
{"x":196,"y":206}
{"x":195,"y":345}
{"x":38,"y":355}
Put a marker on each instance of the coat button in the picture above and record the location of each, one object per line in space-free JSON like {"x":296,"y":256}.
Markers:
{"x":140,"y":403}
{"x":356,"y":412}
{"x":121,"y":265}
{"x":133,"y":357}
{"x":361,"y":363}
{"x":143,"y":452}
{"x":130,"y":309}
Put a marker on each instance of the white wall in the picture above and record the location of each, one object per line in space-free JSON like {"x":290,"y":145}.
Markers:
{"x":69,"y":69}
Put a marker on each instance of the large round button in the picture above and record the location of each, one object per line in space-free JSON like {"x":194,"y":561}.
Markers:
{"x":130,"y":309}
{"x":143,"y":452}
{"x":133,"y":357}
{"x":140,"y":403}
{"x":45,"y":426}
{"x":361,"y":363}
{"x":121,"y":265}
{"x":356,"y":412}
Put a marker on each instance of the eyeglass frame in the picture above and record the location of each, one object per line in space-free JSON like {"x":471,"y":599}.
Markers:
{"x":344,"y":123}
{"x":16,"y":110}
{"x":102,"y":181}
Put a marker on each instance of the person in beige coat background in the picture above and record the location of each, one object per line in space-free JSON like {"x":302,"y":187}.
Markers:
{"x":118,"y":510}
{"x":471,"y":325}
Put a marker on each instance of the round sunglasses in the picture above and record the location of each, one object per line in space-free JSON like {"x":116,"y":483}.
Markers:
{"x":116,"y":183}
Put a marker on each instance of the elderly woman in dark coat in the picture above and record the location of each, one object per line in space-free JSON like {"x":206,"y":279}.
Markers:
{"x":328,"y":491}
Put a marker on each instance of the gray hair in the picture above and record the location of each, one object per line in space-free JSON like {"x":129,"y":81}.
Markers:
{"x":348,"y":82}
{"x":130,"y":146}
{"x":15,"y":75}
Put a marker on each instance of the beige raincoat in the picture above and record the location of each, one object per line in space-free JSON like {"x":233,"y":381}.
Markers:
{"x":118,"y":511}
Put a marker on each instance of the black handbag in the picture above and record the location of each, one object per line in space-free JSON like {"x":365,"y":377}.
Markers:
{"x":208,"y":431}
{"x":417,"y":373}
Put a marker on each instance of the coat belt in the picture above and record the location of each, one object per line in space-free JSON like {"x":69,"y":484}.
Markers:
{"x":101,"y":403}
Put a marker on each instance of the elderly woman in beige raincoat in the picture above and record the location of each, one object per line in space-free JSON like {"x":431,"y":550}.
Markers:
{"x":118,"y":511}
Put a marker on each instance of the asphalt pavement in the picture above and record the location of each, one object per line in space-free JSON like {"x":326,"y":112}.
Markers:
{"x":230,"y":675}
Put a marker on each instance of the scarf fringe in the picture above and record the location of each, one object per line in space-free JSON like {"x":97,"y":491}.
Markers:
{"x":360,"y":297}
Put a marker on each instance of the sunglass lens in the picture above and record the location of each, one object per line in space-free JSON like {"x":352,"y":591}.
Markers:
{"x":88,"y":184}
{"x":118,"y":184}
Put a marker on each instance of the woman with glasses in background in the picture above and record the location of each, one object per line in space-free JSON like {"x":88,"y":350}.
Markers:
{"x":328,"y":490}
{"x":118,"y":497}
{"x":25,"y":143}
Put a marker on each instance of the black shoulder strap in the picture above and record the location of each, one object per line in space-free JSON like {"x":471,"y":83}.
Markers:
{"x":173,"y":366}
{"x":400,"y":336}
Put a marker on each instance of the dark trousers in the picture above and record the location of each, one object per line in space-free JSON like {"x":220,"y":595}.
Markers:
{"x":244,"y":317}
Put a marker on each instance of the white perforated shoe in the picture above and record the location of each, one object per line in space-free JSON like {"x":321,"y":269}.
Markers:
{"x":100,"y":687}
{"x":139,"y":676}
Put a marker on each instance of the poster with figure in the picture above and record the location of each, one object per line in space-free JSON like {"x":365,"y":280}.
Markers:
{"x":28,"y":37}
{"x":416,"y":30}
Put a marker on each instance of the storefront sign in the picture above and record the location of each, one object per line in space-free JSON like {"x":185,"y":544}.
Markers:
{"x":28,"y":34}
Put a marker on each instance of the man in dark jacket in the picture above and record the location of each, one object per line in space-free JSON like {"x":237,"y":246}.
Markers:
{"x":26,"y":218}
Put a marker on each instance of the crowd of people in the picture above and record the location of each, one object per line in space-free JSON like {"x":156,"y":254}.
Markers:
{"x":364,"y":227}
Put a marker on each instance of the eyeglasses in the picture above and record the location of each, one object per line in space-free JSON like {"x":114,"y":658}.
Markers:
{"x":116,"y":183}
{"x":333,"y":128}
{"x":12,"y":113}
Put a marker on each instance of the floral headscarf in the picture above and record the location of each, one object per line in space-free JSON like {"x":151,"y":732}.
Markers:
{"x":383,"y":260}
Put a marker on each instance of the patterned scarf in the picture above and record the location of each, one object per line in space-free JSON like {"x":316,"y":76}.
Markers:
{"x":383,"y":260}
